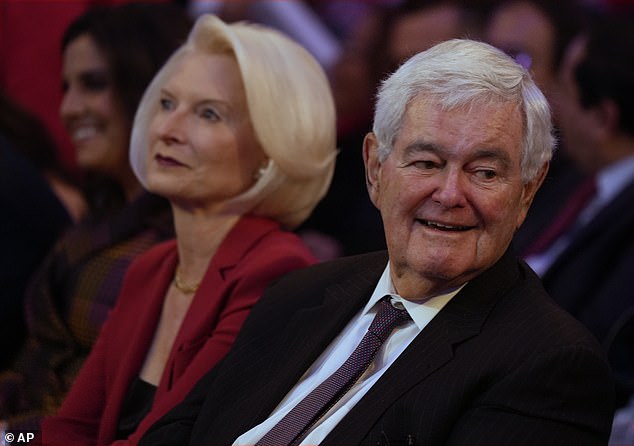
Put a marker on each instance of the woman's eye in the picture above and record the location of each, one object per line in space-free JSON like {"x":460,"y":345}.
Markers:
{"x":166,"y":104}
{"x":94,"y":81}
{"x":209,"y":114}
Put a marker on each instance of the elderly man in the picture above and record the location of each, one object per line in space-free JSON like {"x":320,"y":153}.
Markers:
{"x":446,"y":338}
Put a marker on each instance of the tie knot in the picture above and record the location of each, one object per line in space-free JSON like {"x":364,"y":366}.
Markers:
{"x":387,"y":318}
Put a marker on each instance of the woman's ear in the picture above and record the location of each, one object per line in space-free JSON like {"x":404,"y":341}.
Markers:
{"x":372,"y":166}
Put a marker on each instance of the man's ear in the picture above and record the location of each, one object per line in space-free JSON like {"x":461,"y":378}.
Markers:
{"x":372,"y":166}
{"x":530,"y":189}
{"x":607,"y":117}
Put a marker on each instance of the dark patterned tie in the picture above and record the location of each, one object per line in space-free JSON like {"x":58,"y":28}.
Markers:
{"x":295,"y":425}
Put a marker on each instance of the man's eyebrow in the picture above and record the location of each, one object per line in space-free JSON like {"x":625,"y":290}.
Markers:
{"x":423,"y":146}
{"x":494,"y":154}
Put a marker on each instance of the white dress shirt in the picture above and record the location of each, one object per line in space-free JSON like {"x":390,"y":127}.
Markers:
{"x":339,"y":350}
{"x":610,"y":182}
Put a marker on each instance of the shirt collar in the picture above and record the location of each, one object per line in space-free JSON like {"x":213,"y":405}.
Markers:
{"x":420,"y":312}
{"x":611,"y":180}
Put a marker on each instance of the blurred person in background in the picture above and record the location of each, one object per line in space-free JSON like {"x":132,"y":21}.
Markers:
{"x":34,"y":142}
{"x":110,"y":54}
{"x":35,"y":214}
{"x":237,"y":131}
{"x":586,"y":258}
{"x":30,"y":65}
{"x":536,"y":34}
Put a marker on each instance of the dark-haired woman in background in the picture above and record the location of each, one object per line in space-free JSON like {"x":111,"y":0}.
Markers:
{"x":109,"y":57}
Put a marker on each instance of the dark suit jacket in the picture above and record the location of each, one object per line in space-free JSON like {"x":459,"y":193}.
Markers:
{"x":620,"y":347}
{"x":593,"y":278}
{"x":499,"y":365}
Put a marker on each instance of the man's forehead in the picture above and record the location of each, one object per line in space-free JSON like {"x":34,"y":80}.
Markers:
{"x":424,"y":111}
{"x":488,"y":129}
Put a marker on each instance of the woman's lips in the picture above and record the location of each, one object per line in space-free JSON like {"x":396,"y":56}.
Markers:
{"x":167,"y":161}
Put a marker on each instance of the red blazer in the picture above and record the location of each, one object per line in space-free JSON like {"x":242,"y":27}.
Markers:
{"x":253,"y":254}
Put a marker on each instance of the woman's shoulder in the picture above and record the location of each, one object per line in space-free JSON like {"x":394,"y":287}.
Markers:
{"x":258,"y":244}
{"x":157,"y":252}
{"x":148,"y":274}
{"x":153,"y":259}
{"x":280,"y":243}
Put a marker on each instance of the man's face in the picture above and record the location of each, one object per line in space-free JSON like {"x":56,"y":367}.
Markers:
{"x":581,"y":128}
{"x":520,"y":29}
{"x":450,"y":193}
{"x":420,"y":30}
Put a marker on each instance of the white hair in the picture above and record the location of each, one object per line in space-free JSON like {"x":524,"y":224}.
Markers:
{"x":291,"y":109}
{"x":462,"y":72}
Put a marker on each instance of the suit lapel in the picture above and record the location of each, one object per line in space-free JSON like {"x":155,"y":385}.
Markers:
{"x":270,"y":371}
{"x":462,"y":318}
{"x":614,"y":216}
{"x":312,"y":329}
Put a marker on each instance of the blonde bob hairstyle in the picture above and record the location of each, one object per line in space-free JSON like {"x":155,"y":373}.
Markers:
{"x":291,"y":109}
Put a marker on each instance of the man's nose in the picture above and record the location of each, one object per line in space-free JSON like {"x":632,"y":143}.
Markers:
{"x":450,"y":189}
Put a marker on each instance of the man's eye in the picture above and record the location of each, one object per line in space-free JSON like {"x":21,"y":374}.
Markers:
{"x":425,"y":164}
{"x":486,"y":174}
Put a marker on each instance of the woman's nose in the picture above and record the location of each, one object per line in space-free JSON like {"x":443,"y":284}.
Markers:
{"x":72,"y":103}
{"x":170,"y":127}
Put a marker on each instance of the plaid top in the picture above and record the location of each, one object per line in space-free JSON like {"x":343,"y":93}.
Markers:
{"x":67,"y":302}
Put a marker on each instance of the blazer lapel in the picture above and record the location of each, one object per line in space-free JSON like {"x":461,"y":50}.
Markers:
{"x":461,"y":319}
{"x":238,"y":242}
{"x":125,"y":358}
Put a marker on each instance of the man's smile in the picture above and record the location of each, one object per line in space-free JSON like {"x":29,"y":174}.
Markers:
{"x":443,"y":226}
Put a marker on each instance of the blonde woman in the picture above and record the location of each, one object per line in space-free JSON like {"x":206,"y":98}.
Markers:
{"x":237,"y":131}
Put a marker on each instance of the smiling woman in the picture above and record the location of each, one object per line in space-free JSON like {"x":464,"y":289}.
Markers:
{"x":93,"y":114}
{"x":237,"y":131}
{"x":109,"y":57}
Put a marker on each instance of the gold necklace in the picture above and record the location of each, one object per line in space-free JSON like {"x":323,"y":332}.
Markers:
{"x":181,"y":286}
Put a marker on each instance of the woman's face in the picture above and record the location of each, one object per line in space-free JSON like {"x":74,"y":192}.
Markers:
{"x":203,"y":150}
{"x":90,"y":111}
